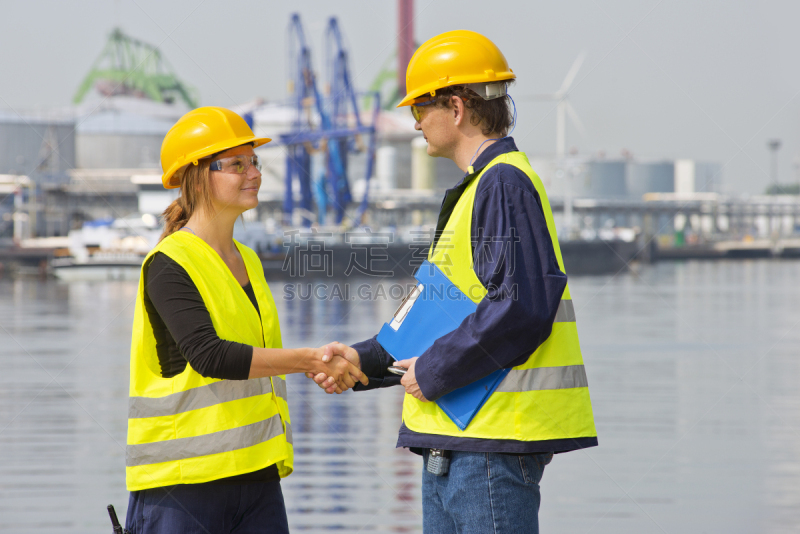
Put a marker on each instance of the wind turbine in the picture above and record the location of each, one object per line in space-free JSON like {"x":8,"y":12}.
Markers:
{"x":564,"y":108}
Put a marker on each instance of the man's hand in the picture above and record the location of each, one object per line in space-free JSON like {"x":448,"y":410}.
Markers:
{"x":335,"y":349}
{"x":340,"y":374}
{"x":409,"y":380}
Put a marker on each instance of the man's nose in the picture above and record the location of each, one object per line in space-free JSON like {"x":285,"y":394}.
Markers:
{"x":418,"y":126}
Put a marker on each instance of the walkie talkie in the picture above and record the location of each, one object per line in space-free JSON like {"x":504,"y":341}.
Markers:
{"x":438,"y":462}
{"x":115,"y":522}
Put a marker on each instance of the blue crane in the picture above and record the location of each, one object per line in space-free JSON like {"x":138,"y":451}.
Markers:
{"x":343,"y":94}
{"x":332,"y":125}
{"x":303,"y":86}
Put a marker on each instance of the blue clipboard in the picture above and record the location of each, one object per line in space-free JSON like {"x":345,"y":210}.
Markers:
{"x":434,"y":308}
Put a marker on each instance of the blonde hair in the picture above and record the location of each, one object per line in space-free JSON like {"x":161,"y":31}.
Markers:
{"x":195,"y":192}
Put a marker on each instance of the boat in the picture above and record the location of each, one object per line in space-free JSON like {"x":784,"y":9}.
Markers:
{"x":102,"y":265}
{"x":398,"y":251}
{"x":107,"y":249}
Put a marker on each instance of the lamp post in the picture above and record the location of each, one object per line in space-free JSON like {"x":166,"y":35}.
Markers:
{"x":797,"y":174}
{"x":774,"y":145}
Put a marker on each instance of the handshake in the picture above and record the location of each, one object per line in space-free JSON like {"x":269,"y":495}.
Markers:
{"x":337,"y":368}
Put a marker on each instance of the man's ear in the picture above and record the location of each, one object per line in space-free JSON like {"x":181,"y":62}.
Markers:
{"x":458,"y":110}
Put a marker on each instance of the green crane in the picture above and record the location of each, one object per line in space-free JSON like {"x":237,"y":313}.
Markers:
{"x":387,"y":75}
{"x":128,"y":66}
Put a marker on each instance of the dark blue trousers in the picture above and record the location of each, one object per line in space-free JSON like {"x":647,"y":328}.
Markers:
{"x":213,"y":508}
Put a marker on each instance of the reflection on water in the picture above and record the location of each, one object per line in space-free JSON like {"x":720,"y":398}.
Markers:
{"x":692,"y":367}
{"x":348,"y":475}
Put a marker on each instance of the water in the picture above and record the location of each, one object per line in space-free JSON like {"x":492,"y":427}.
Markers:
{"x":693,"y":370}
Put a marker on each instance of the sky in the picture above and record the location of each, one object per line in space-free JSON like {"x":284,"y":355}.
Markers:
{"x":663,"y":79}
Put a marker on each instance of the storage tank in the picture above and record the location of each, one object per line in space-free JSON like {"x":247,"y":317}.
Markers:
{"x":606,"y":179}
{"x":654,"y":177}
{"x":112,"y":139}
{"x":571,"y":176}
{"x":697,"y":176}
{"x":423,"y":167}
{"x":271,"y":120}
{"x":31,"y":144}
{"x":707,"y":177}
{"x":545,"y":168}
{"x":386,"y":168}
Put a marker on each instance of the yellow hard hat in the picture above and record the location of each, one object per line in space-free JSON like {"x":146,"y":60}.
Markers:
{"x":199,"y":134}
{"x":454,"y":58}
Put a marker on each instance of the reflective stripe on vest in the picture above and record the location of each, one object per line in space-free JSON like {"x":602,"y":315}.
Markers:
{"x":203,"y":397}
{"x":566,"y":312}
{"x":542,"y":378}
{"x":190,"y":429}
{"x":545,"y":398}
{"x":207,"y":444}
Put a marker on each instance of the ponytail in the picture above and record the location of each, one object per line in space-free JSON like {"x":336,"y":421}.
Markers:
{"x":195,"y":194}
{"x":175,"y":217}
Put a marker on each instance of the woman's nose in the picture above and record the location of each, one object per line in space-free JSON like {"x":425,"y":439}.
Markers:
{"x":253,"y":173}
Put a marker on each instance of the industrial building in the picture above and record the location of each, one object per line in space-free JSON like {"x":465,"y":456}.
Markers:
{"x":100,"y":159}
{"x":37,"y":149}
{"x":626,"y":179}
{"x":114,"y":139}
{"x":79,"y":166}
{"x":655,"y":177}
{"x":40,"y":142}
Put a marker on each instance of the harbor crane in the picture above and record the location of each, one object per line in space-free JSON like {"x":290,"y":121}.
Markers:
{"x":331,"y":124}
{"x":128,"y":66}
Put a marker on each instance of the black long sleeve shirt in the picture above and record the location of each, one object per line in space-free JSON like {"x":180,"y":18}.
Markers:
{"x":515,"y":260}
{"x":182,"y":325}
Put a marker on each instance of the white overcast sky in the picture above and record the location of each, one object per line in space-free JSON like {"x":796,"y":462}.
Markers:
{"x":704,"y":79}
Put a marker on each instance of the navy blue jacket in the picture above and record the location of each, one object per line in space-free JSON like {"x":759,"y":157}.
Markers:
{"x":514,"y":259}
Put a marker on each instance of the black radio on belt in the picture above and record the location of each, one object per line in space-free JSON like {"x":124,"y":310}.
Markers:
{"x":438,"y":462}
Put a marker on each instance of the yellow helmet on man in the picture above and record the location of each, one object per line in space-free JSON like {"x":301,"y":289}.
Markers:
{"x":199,"y":134}
{"x":459,"y":57}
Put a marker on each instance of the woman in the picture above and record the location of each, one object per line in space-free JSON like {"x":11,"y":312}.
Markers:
{"x":209,"y":434}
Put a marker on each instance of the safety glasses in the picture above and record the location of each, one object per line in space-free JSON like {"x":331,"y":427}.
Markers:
{"x":235,"y":164}
{"x":416,"y":112}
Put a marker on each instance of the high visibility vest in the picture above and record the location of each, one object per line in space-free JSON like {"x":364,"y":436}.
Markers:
{"x":545,"y":398}
{"x":190,"y":429}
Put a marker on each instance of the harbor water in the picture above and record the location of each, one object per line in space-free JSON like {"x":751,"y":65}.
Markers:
{"x":693,"y":370}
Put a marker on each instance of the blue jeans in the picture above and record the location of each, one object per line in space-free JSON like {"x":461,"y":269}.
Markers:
{"x":215,"y":508}
{"x":484,"y":493}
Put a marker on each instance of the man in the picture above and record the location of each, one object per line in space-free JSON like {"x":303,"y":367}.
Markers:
{"x":495,"y":232}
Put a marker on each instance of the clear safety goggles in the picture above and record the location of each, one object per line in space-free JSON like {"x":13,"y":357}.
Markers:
{"x":236,"y":164}
{"x":415,"y":111}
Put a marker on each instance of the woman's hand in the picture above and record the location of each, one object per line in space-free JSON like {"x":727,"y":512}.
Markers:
{"x":331,"y":366}
{"x":327,"y":382}
{"x":341,"y":373}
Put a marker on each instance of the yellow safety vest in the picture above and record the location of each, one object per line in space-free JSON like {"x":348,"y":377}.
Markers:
{"x":545,"y":398}
{"x":190,"y":429}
